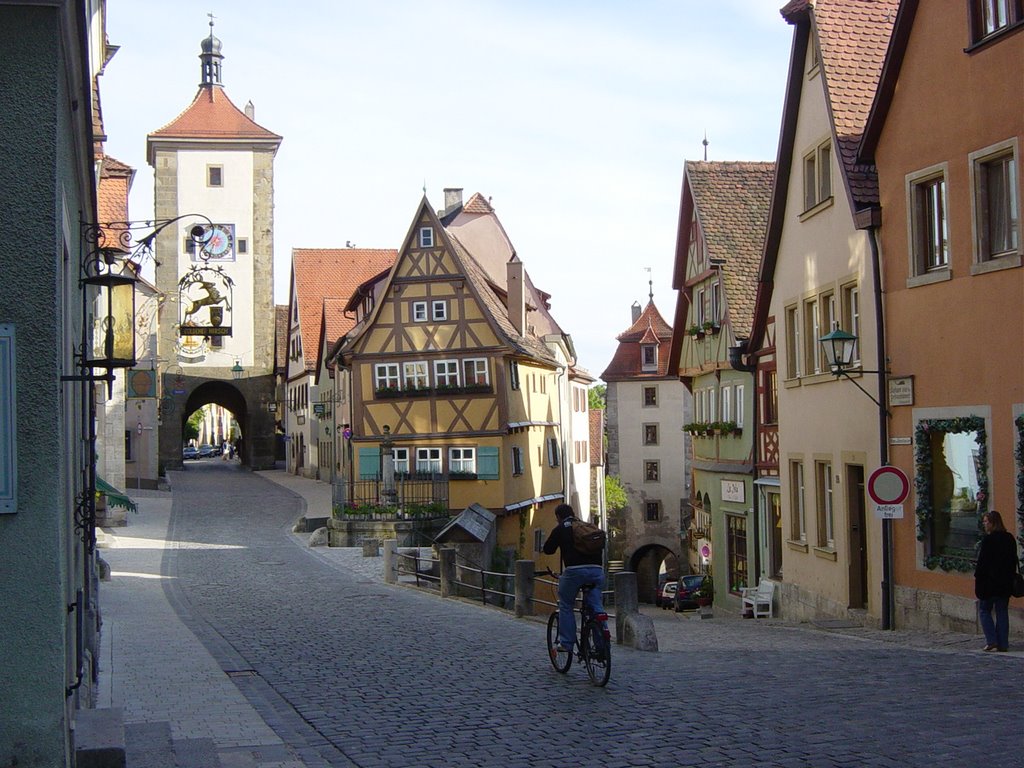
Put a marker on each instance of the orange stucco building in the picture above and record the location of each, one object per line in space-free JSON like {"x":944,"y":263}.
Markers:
{"x":945,"y":134}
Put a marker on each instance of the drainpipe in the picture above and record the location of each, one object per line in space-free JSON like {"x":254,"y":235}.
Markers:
{"x":888,"y":588}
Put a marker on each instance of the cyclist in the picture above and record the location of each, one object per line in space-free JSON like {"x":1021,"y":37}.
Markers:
{"x":578,"y":569}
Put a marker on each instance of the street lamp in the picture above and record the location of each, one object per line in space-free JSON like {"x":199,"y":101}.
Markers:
{"x":840,"y":348}
{"x":237,"y":370}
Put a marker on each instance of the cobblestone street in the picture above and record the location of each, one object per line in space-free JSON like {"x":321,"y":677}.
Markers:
{"x":344,"y":670}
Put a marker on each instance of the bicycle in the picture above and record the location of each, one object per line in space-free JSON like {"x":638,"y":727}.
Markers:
{"x":592,"y":647}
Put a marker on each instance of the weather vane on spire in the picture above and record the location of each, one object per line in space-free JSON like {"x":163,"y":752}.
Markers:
{"x":705,"y":143}
{"x":650,"y":284}
{"x":212,"y":17}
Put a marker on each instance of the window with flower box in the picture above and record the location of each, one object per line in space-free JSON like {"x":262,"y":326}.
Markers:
{"x":475,"y":372}
{"x":428,"y":461}
{"x":417,"y":375}
{"x":386,"y":377}
{"x":446,"y":374}
{"x":462,"y":461}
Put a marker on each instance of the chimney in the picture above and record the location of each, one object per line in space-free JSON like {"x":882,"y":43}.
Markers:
{"x":250,"y":111}
{"x":452,"y":198}
{"x":635,"y":309}
{"x":516,"y":294}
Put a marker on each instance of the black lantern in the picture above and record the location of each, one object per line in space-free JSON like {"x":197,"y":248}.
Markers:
{"x":840,"y":350}
{"x":237,"y":370}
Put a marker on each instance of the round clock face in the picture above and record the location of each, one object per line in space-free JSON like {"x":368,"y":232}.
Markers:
{"x":218,"y":241}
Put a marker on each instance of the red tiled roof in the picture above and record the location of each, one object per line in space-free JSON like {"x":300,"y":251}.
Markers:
{"x":477,"y":204}
{"x":649,"y":328}
{"x":112,"y":200}
{"x":212,"y":115}
{"x":732,"y":200}
{"x":854,"y":36}
{"x":331,"y":273}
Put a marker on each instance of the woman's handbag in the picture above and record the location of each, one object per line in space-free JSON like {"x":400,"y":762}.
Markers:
{"x":1017,"y":588}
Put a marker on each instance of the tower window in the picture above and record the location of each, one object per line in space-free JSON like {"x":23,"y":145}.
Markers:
{"x":215,"y":176}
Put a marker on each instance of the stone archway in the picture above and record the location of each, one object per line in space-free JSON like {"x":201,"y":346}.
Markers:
{"x":245,"y":399}
{"x":646,"y":563}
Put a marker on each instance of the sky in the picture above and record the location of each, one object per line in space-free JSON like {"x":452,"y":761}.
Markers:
{"x":573,"y":117}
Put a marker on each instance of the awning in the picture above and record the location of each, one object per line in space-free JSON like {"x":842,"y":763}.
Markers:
{"x":115,"y":498}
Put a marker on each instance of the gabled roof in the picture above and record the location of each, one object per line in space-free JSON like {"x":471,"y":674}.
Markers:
{"x":627,"y":362}
{"x":330,"y":273}
{"x":211,"y":116}
{"x":479,"y":230}
{"x":732,"y":201}
{"x":491,"y":300}
{"x":853,"y":37}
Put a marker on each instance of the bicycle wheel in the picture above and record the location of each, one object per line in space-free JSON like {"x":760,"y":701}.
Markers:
{"x":560,"y":661}
{"x":596,"y":653}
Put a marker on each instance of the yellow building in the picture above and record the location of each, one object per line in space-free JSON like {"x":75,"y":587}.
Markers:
{"x":446,"y":366}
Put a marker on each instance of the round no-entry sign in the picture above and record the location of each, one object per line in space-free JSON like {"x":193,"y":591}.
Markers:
{"x":888,"y":485}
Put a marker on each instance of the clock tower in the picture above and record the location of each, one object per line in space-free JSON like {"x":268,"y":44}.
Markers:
{"x":214,"y":173}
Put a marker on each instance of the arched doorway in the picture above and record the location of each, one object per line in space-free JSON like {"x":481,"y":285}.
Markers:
{"x":228,"y":397}
{"x":243,"y":398}
{"x":646,"y":563}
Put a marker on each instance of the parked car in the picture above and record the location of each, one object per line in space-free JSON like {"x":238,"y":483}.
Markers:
{"x":207,"y":451}
{"x":686,"y":592}
{"x":666,"y":594}
{"x":189,"y":452}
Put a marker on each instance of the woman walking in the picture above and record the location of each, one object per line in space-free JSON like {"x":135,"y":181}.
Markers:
{"x":993,"y":580}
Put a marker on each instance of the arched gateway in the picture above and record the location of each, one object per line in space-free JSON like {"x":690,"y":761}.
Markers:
{"x":215,"y":269}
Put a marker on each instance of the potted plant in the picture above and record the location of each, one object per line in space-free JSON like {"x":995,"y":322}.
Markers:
{"x":696,"y":331}
{"x":709,"y":327}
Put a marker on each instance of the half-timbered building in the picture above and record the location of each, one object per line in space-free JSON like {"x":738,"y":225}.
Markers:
{"x":451,"y":379}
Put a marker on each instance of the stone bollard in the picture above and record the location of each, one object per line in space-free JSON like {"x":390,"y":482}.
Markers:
{"x":371,"y":547}
{"x":390,"y":561}
{"x":524,"y":588}
{"x":448,"y":586}
{"x":632,"y":627}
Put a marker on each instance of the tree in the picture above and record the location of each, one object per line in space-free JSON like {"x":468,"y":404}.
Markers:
{"x":614,"y":493}
{"x":617,"y":503}
{"x":596,"y":397}
{"x":192,"y":425}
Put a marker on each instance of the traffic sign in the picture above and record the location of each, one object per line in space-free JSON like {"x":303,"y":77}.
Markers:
{"x":888,"y":485}
{"x":888,"y":488}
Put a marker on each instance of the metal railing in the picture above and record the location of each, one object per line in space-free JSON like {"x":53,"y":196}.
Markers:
{"x":416,"y":495}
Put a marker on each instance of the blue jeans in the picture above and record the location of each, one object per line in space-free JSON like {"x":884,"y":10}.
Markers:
{"x":569,"y":583}
{"x":998,"y":633}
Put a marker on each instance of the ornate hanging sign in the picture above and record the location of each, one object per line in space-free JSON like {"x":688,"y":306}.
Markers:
{"x":205,"y":302}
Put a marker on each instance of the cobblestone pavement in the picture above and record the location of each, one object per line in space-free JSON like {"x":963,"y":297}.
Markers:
{"x":322,"y":664}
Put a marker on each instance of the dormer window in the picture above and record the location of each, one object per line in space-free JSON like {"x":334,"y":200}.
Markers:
{"x":426,"y":237}
{"x":649,"y":355}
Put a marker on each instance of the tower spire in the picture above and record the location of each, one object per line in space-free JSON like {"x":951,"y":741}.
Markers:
{"x":211,"y":57}
{"x":705,"y":142}
{"x":650,"y":284}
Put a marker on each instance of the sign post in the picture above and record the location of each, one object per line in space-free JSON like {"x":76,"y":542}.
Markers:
{"x":888,"y":488}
